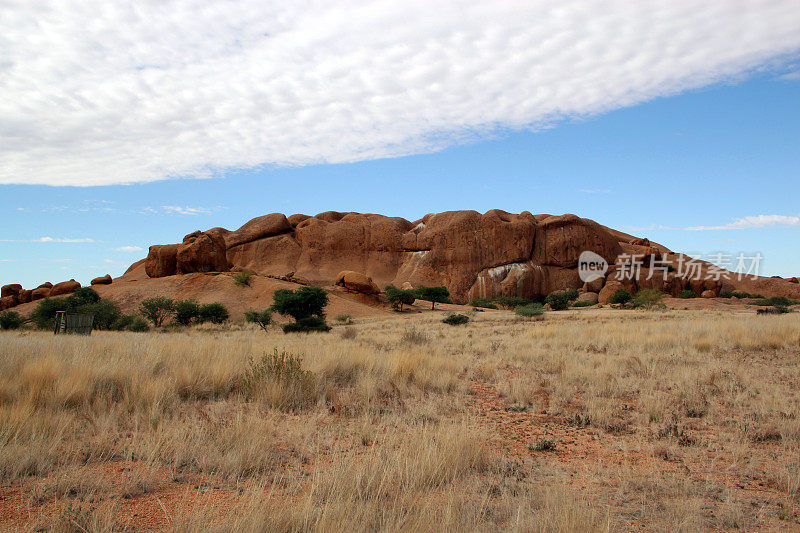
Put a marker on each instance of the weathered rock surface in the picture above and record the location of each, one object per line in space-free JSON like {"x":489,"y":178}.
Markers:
{"x":12,"y":289}
{"x":357,"y":282}
{"x":161,"y":260}
{"x":202,"y":252}
{"x":708,"y":294}
{"x":561,"y":239}
{"x":7,"y":302}
{"x":591,"y":297}
{"x":65,"y":287}
{"x":39,"y":293}
{"x":608,"y":291}
{"x":102,"y":280}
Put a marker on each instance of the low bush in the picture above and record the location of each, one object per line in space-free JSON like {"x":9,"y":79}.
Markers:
{"x":343,"y":319}
{"x":482,"y":302}
{"x":307,"y":325}
{"x":572,"y":294}
{"x":510,"y":302}
{"x":122,"y":322}
{"x":649,"y":299}
{"x":262,"y":318}
{"x":777,"y":310}
{"x":243,"y":278}
{"x":157,"y":309}
{"x":44,"y":315}
{"x":186,"y":311}
{"x":213,"y":312}
{"x":106,"y":313}
{"x":620,"y":296}
{"x":582,"y":304}
{"x":689,"y":293}
{"x":10,"y":320}
{"x":558,"y":300}
{"x":138,"y":324}
{"x":455,"y":319}
{"x":529,"y":310}
{"x":279,"y":380}
{"x":738,"y":294}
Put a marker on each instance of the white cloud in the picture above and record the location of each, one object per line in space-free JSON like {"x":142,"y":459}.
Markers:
{"x":57,"y":239}
{"x":128,"y":249}
{"x":143,"y":91}
{"x":178,"y":210}
{"x":757,"y":221}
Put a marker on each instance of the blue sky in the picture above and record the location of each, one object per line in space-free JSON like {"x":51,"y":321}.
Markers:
{"x":678,"y":121}
{"x":704,"y":158}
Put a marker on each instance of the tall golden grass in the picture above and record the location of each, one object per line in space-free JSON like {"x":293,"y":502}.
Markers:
{"x":379,"y":426}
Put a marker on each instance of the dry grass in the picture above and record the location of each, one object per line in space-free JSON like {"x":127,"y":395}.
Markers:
{"x":408,"y":424}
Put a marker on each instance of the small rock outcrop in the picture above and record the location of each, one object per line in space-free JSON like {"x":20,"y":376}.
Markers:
{"x":102,"y":280}
{"x":65,"y":287}
{"x":12,"y":289}
{"x":356,"y":282}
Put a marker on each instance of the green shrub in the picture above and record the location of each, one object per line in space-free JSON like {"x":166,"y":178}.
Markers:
{"x":243,"y":278}
{"x":186,"y":311}
{"x":398,"y":297}
{"x":280,"y":381}
{"x":44,"y":314}
{"x":122,"y":322}
{"x":482,"y":302}
{"x":83,"y":295}
{"x":649,"y":299}
{"x":620,"y":296}
{"x":139,"y":324}
{"x":776,"y":301}
{"x":106,"y":313}
{"x":10,"y":320}
{"x":213,"y":312}
{"x":529,"y":310}
{"x":157,"y":309}
{"x":455,"y":319}
{"x":558,"y":300}
{"x":689,"y":293}
{"x":303,"y":303}
{"x":572,"y":294}
{"x":510,"y":302}
{"x":433,"y":295}
{"x":582,"y":304}
{"x":738,"y":294}
{"x":262,"y":318}
{"x":306,"y":325}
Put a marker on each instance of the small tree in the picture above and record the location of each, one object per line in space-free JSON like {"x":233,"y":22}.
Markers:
{"x":106,"y":313}
{"x":186,"y":311}
{"x":398,"y":297}
{"x":157,"y":309}
{"x":82,"y":296}
{"x":214,"y":312}
{"x":306,"y":306}
{"x":139,"y":324}
{"x":262,"y":318}
{"x":44,"y":314}
{"x":304,"y":302}
{"x":558,"y":300}
{"x":620,"y":296}
{"x":433,"y":294}
{"x":455,"y":319}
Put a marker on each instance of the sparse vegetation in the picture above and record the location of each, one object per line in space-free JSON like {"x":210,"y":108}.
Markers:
{"x":344,"y":319}
{"x":398,"y":297}
{"x":186,"y":311}
{"x":243,"y":278}
{"x":305,"y":305}
{"x":433,"y":295}
{"x":262,"y":318}
{"x":529,"y":310}
{"x":649,"y":299}
{"x":558,"y":301}
{"x":455,"y":319}
{"x":157,"y":309}
{"x":687,"y":294}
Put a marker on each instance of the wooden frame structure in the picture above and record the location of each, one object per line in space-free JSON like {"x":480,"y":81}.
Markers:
{"x":77,"y":323}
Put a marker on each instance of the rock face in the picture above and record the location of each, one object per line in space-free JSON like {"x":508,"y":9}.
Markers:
{"x":39,"y":293}
{"x":357,"y":282}
{"x":591,"y":297}
{"x":12,"y":289}
{"x":102,"y":280}
{"x":608,"y":291}
{"x":472,"y":254}
{"x":65,"y":287}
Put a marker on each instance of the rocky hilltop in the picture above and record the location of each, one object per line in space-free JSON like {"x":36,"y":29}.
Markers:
{"x":474,"y":255}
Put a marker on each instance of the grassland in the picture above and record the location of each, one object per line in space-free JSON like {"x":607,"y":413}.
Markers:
{"x":583,"y":421}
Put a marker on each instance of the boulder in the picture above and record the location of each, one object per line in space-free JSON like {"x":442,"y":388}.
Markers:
{"x":708,"y":294}
{"x":202,"y":252}
{"x":24,"y":296}
{"x":406,"y":286}
{"x":276,"y":255}
{"x":527,"y":280}
{"x":65,"y":287}
{"x":45,"y":285}
{"x":608,"y":290}
{"x":594,"y":285}
{"x":161,"y":260}
{"x":560,"y":240}
{"x":591,"y":297}
{"x":39,"y":293}
{"x":357,"y":282}
{"x":7,"y":302}
{"x":258,"y":228}
{"x":296,"y":219}
{"x":102,"y":280}
{"x":794,"y":280}
{"x":11,"y":289}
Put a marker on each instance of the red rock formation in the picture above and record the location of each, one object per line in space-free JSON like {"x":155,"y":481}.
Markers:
{"x":65,"y":287}
{"x":102,"y":280}
{"x":12,"y":289}
{"x":161,"y":260}
{"x":7,"y":302}
{"x":357,"y":282}
{"x":202,"y":252}
{"x":39,"y":293}
{"x":560,"y":240}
